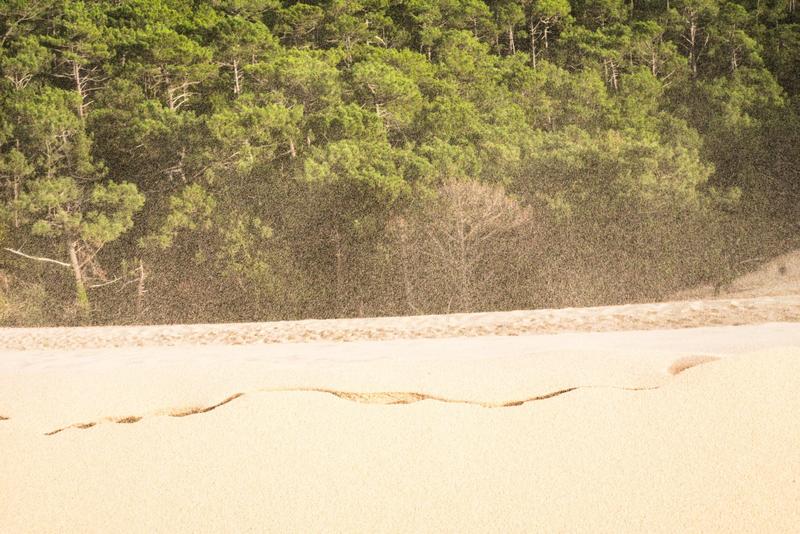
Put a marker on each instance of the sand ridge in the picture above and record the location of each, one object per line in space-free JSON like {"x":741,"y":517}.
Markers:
{"x":385,"y":398}
{"x":391,"y":397}
{"x":48,"y":390}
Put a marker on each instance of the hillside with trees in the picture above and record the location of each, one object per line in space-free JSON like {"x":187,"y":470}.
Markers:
{"x":248,"y":160}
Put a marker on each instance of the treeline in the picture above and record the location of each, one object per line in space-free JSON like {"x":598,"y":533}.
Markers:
{"x":228,"y":160}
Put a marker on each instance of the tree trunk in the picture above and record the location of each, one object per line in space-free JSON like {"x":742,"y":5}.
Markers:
{"x":76,"y":74}
{"x":532,"y":31}
{"x":337,"y":241}
{"x":16,"y":200}
{"x":463,"y":267}
{"x":237,"y":87}
{"x":692,"y":45}
{"x":464,"y":289}
{"x":81,"y":297}
{"x":140,"y":291}
{"x":612,"y":74}
{"x":511,"y":48}
{"x":407,"y":286}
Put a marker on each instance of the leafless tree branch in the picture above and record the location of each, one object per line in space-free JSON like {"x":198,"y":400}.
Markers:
{"x":37,"y":258}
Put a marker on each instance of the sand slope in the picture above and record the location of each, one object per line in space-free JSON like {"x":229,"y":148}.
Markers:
{"x":691,"y":430}
{"x":778,"y":276}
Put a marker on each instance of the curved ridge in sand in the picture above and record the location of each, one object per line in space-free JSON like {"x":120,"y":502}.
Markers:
{"x":385,"y":398}
{"x":393,"y":397}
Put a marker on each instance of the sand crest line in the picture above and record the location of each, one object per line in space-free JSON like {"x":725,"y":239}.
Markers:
{"x":136,"y":418}
{"x":388,"y":398}
{"x":687,"y":362}
{"x":3,"y":418}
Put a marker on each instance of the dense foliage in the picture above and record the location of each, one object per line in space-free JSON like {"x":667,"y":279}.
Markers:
{"x":224,"y":160}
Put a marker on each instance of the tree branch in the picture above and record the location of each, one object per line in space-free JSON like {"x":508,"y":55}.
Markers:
{"x":93,"y":286}
{"x":90,"y":257}
{"x":37,"y":258}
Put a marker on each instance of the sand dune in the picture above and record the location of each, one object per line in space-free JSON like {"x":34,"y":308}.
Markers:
{"x":663,"y":430}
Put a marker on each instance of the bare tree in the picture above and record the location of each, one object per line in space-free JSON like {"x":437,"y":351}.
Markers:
{"x":454,"y":248}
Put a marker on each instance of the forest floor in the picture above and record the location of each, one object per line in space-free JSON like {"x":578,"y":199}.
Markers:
{"x":768,"y":294}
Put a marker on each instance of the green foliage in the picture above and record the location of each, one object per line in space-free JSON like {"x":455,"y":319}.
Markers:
{"x":54,"y":206}
{"x":81,"y":36}
{"x":395,"y":97}
{"x":190,"y":209}
{"x":14,"y":166}
{"x":364,"y":168}
{"x":782,"y":54}
{"x":278,"y":145}
{"x":112,"y":207}
{"x":611,"y":176}
{"x":59,"y":207}
{"x":23,"y":59}
{"x":299,"y":77}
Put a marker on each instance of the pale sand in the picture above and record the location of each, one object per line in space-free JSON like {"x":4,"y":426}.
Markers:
{"x":692,"y":430}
